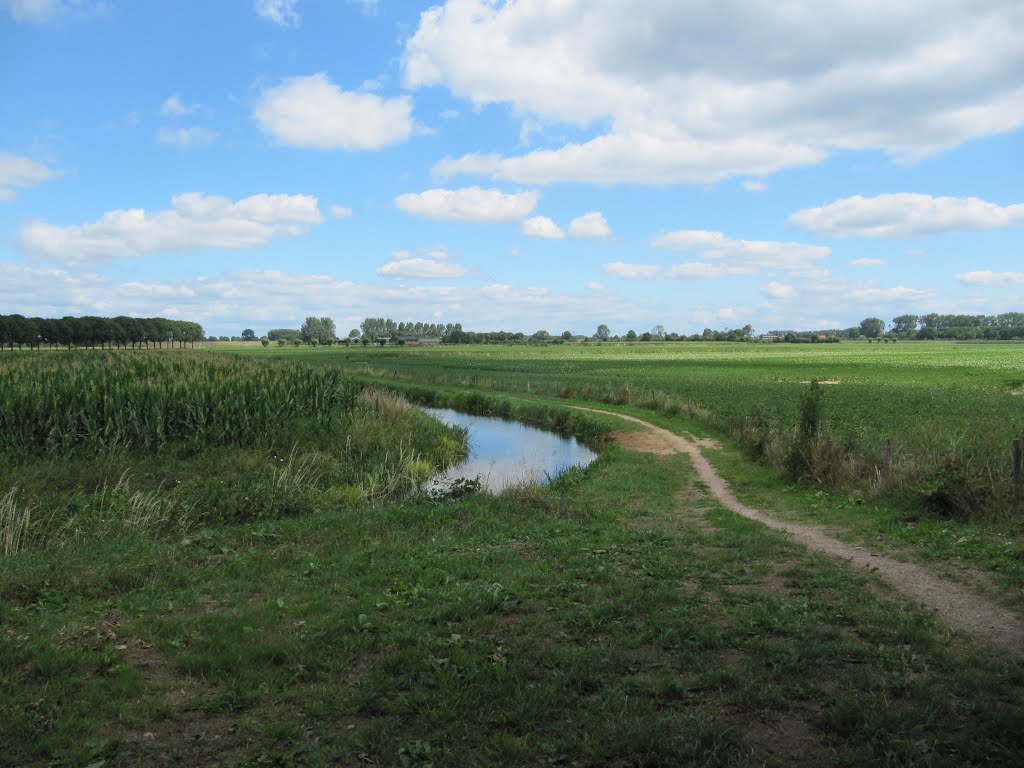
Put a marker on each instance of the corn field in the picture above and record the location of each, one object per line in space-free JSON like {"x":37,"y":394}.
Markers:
{"x":60,"y":403}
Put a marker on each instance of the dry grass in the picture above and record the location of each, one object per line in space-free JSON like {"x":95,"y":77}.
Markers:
{"x":14,"y":522}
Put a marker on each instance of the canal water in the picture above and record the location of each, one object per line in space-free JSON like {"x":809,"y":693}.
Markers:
{"x":508,"y":453}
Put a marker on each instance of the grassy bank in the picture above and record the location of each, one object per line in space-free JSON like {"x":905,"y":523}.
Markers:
{"x":590,"y":623}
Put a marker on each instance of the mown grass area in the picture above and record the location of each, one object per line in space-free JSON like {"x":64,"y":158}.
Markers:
{"x":987,"y":554}
{"x":619,"y":617}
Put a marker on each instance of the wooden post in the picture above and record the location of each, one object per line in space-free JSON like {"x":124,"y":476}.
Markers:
{"x":888,"y":453}
{"x":1018,"y":462}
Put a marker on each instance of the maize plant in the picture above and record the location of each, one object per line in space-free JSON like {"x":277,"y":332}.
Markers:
{"x":60,"y":403}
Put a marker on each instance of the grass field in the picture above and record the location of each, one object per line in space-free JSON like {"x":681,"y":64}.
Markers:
{"x":949,"y":411}
{"x":617,"y":617}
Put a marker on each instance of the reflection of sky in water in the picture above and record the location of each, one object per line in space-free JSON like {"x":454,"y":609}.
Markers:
{"x":505,"y":453}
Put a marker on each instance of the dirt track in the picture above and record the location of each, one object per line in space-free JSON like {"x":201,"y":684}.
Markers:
{"x":956,"y":604}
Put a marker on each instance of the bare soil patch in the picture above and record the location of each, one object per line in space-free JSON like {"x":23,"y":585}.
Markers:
{"x":642,"y":441}
{"x":961,"y":607}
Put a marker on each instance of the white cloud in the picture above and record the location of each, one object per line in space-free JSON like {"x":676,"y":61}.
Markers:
{"x":906,"y":215}
{"x":174,"y":107}
{"x":700,"y":270}
{"x":313,"y":112}
{"x":469,"y":204}
{"x":263,"y":299}
{"x":506,"y":293}
{"x":340,"y":211}
{"x":593,"y":285}
{"x":17,"y":171}
{"x":988,"y":277}
{"x":591,"y":224}
{"x":281,"y":12}
{"x":631,"y":271}
{"x":899,"y":292}
{"x":43,"y":11}
{"x":421,"y":268}
{"x":867,"y":262}
{"x":752,"y":185}
{"x":779,"y":290}
{"x":542,"y":226}
{"x":369,"y":7}
{"x":185,"y":137}
{"x":727,"y":313}
{"x":743,"y":256}
{"x":194,"y":221}
{"x":695,"y":91}
{"x":636,"y":156}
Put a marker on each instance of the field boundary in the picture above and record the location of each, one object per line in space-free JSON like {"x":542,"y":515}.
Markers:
{"x":959,"y":606}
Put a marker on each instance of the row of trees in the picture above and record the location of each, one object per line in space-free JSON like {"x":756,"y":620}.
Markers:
{"x":384,"y":327}
{"x":1008,"y":325}
{"x":89,"y":331}
{"x":381,"y":330}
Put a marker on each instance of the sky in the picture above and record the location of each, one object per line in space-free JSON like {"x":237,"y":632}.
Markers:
{"x":512,"y":165}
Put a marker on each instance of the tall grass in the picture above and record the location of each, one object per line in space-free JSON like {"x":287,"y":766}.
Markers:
{"x":57,"y":404}
{"x":137,"y":444}
{"x":14,"y":522}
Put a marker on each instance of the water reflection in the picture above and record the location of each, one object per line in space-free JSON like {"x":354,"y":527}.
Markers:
{"x":507,"y":453}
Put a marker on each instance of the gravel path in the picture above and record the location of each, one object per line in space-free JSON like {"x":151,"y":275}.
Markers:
{"x":960,"y":606}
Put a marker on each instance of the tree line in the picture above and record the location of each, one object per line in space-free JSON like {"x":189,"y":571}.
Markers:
{"x":1008,"y":325}
{"x":90,"y":331}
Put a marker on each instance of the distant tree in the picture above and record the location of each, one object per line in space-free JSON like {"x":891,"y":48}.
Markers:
{"x":872,"y":327}
{"x":276,"y":334}
{"x":540,"y":336}
{"x":631,"y":335}
{"x":658,"y":332}
{"x":322,"y":329}
{"x":904,"y":324}
{"x":354,"y":333}
{"x":603,"y":332}
{"x":248,"y":335}
{"x":646,"y":336}
{"x":567,"y":335}
{"x":265,"y":341}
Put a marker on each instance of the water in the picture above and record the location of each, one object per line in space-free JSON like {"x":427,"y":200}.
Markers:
{"x":507,"y":453}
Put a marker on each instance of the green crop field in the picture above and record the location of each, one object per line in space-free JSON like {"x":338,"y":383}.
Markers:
{"x":939,"y":405}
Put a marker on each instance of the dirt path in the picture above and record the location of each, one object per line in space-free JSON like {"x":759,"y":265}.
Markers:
{"x":958,"y":605}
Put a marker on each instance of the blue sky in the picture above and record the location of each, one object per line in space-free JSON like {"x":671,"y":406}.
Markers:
{"x":512,"y":165}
